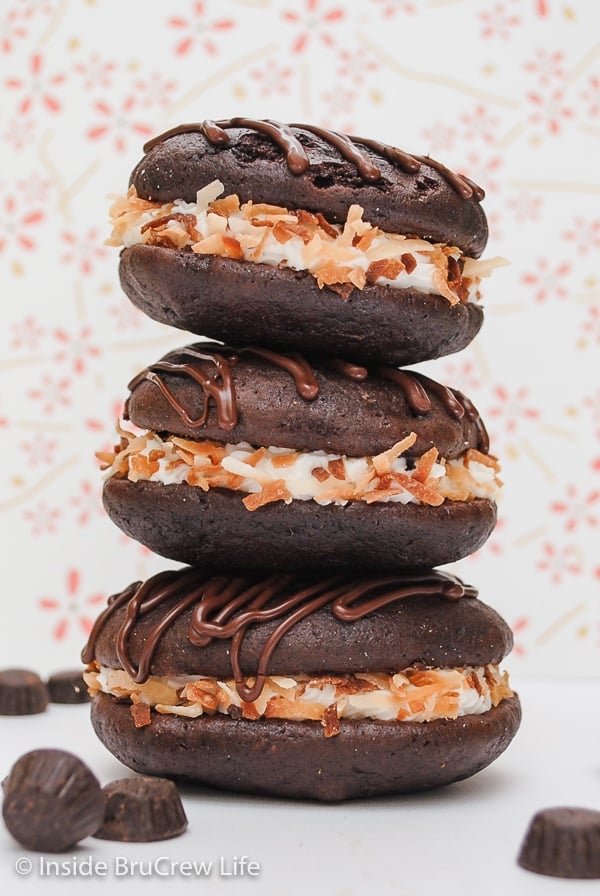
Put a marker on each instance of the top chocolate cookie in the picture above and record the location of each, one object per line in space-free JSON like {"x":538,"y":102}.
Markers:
{"x":297,"y":237}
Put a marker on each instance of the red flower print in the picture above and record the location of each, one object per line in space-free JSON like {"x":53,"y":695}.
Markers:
{"x":526,"y":207}
{"x":83,"y":249}
{"x":154,"y":90}
{"x":42,"y":519}
{"x":482,"y":169}
{"x":72,"y":608}
{"x":547,"y":66}
{"x":519,"y":626}
{"x":11,"y":31}
{"x":198,"y":28}
{"x":549,"y":111}
{"x":548,"y":280}
{"x":96,"y":73}
{"x":76,"y":348}
{"x":498,"y":22}
{"x":512,"y":408}
{"x":440,"y":138}
{"x":465,"y":375}
{"x":87,"y":502}
{"x":37,"y":89}
{"x":585,"y":235}
{"x":479,"y":124}
{"x":355,"y":65}
{"x":560,"y":562}
{"x":40,"y":451}
{"x":577,"y":510}
{"x":16,"y":224}
{"x":313,"y":22}
{"x":119,"y":123}
{"x":52,"y":394}
{"x":27,"y":334}
{"x":272,"y":79}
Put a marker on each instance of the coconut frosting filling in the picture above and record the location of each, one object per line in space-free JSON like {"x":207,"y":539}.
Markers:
{"x":272,"y":474}
{"x":341,"y":257}
{"x":412,"y":695}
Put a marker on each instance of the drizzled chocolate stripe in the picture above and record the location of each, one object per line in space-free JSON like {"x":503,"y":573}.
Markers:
{"x":220,"y":385}
{"x":298,"y":161}
{"x":225,"y":608}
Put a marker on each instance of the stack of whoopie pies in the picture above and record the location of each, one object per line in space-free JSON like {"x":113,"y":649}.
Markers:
{"x":309,"y":648}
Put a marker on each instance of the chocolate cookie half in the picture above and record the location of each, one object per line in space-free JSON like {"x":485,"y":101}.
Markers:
{"x":249,"y":454}
{"x":302,"y":686}
{"x":304,"y":239}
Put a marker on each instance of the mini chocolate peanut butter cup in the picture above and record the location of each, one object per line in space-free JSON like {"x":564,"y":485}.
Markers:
{"x":563,"y":842}
{"x":51,"y":801}
{"x":68,"y":686}
{"x":22,"y":693}
{"x":141,"y":810}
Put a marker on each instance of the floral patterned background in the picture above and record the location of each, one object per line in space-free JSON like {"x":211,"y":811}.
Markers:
{"x":507,"y":91}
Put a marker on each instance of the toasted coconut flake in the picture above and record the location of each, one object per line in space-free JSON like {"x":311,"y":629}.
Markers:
{"x":320,"y":473}
{"x":409,"y":261}
{"x":330,"y":720}
{"x":386,"y":268}
{"x":337,"y":468}
{"x":218,"y":244}
{"x":207,"y":195}
{"x":273,"y":491}
{"x":140,"y":713}
{"x":424,"y":465}
{"x":382,"y":463}
{"x":285,"y":460}
{"x":229,"y":205}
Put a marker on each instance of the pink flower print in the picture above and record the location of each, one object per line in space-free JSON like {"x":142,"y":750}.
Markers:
{"x":440,"y":138}
{"x":40,"y":451}
{"x":118,"y":123}
{"x":19,"y":131}
{"x":526,"y":207}
{"x":126,"y":316}
{"x":272,"y":79}
{"x":590,"y":328}
{"x":199,"y":29}
{"x":37,"y":89}
{"x":479,"y":124}
{"x":11,"y":31}
{"x":548,"y":280}
{"x":356,"y":65}
{"x":155,"y":90}
{"x":83,"y":249}
{"x":592,"y":404}
{"x":512,"y":407}
{"x":339,"y":103}
{"x":549,"y":111}
{"x":73,"y":608}
{"x":498,"y":22}
{"x":27,"y":334}
{"x":465,"y":374}
{"x":591,"y":96}
{"x":35,"y":188}
{"x":76,"y":348}
{"x":96,"y":73}
{"x":87,"y":502}
{"x":391,"y":7}
{"x":16,"y":224}
{"x":547,"y":66}
{"x":52,"y":394}
{"x":482,"y":169}
{"x":519,"y":625}
{"x":559,"y":562}
{"x":313,"y":22}
{"x":577,"y":510}
{"x":42,"y":519}
{"x":585,"y":235}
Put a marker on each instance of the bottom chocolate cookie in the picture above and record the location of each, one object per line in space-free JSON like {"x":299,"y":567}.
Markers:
{"x":279,"y":757}
{"x":192,"y":526}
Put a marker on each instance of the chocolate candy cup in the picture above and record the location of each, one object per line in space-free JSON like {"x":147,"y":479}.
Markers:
{"x":141,"y":810}
{"x":51,"y":801}
{"x":68,"y":687}
{"x":22,"y":693}
{"x":563,"y":842}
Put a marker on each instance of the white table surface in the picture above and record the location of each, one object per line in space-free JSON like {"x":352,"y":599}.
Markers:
{"x":462,"y":839}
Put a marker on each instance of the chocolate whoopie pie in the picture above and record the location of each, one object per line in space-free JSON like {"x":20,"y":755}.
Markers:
{"x":255,"y":460}
{"x":300,"y":238}
{"x":324,"y":688}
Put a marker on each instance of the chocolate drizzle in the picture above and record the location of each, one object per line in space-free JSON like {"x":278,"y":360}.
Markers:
{"x":224,"y":607}
{"x":220,"y":384}
{"x":298,"y":161}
